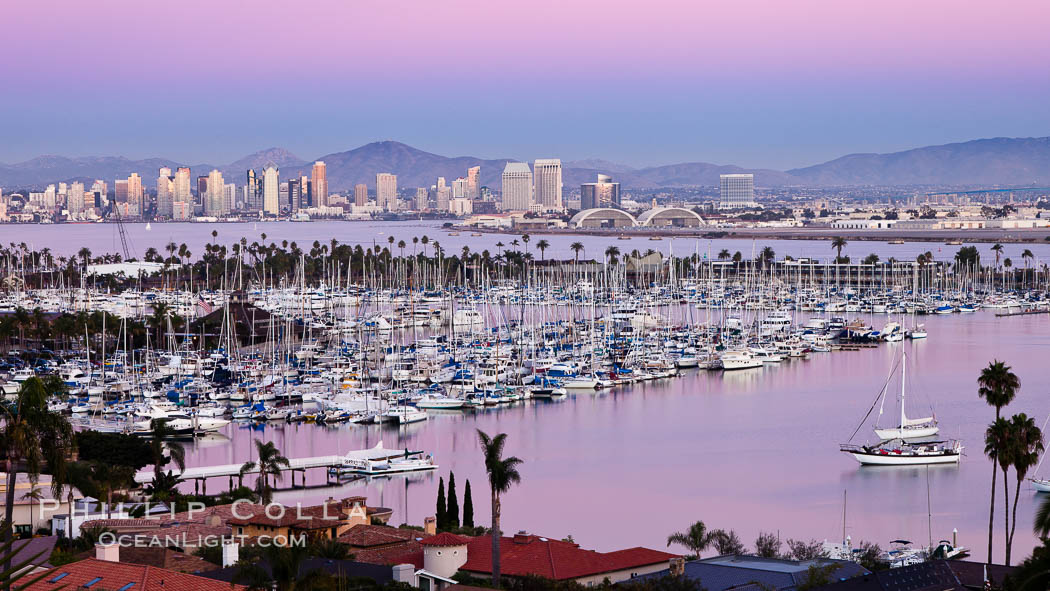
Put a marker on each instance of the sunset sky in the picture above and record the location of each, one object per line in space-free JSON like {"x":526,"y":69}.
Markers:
{"x":759,"y":83}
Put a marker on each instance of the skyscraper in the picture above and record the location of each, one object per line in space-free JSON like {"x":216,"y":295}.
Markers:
{"x":295,"y":194}
{"x":319,"y":189}
{"x":603,"y":193}
{"x":229,"y":196}
{"x":135,"y":191}
{"x":386,"y":191}
{"x":120,"y":191}
{"x":165,"y":192}
{"x":473,"y":182}
{"x":547,"y":173}
{"x":271,"y":179}
{"x":421,"y":198}
{"x":251,"y":192}
{"x":517,"y":186}
{"x":75,"y":199}
{"x":360,"y":194}
{"x":459,"y":188}
{"x":215,"y":194}
{"x":736,"y":191}
{"x":182,"y":187}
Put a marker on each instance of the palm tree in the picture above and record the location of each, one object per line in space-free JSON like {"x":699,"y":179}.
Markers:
{"x":269,"y":464}
{"x":998,"y":386}
{"x":999,"y":447}
{"x":724,"y":255}
{"x":696,"y":538}
{"x":176,"y":453}
{"x":32,"y":436}
{"x":837,"y":244}
{"x":1027,"y":444}
{"x":576,"y":247}
{"x":503,"y":472}
{"x":543,"y":245}
{"x":611,"y":254}
{"x":998,"y":250}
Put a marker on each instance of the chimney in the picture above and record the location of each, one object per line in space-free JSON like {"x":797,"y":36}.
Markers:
{"x":430,"y":525}
{"x":522,"y":537}
{"x":108,"y":552}
{"x":230,"y":552}
{"x":405,"y":573}
{"x":677,"y":566}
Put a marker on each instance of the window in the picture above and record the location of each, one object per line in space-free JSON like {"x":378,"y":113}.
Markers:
{"x":91,"y":582}
{"x":59,"y":578}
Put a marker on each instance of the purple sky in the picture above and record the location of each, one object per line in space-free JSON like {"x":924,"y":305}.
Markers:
{"x":761,"y":83}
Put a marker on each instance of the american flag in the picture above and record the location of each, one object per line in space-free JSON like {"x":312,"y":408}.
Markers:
{"x":203,"y":307}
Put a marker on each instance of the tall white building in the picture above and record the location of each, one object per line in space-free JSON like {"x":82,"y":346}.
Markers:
{"x":386,"y":191}
{"x":183,"y":193}
{"x":736,"y":191}
{"x":421,"y":198}
{"x":165,"y":192}
{"x":229,"y":196}
{"x":271,"y":190}
{"x":547,"y":173}
{"x":517,"y":186}
{"x":215,"y":200}
{"x":474,"y":182}
{"x":75,"y":200}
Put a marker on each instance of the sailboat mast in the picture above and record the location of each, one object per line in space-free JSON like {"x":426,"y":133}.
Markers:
{"x":904,"y":372}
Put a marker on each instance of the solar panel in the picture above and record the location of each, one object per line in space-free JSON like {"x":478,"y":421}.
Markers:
{"x":91,"y":582}
{"x":126,"y":587}
{"x":59,"y":578}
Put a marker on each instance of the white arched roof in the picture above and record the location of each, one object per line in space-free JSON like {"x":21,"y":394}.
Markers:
{"x":602,"y":213}
{"x":647,"y":217}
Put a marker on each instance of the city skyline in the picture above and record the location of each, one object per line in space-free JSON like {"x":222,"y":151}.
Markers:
{"x":669,"y":84}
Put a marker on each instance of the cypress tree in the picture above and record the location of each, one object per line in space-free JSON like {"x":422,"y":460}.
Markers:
{"x":452,"y":511}
{"x":441,"y":513}
{"x":468,"y":507}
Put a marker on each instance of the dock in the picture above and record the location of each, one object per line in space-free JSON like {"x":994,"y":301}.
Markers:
{"x":1021,"y":313}
{"x":199,"y":475}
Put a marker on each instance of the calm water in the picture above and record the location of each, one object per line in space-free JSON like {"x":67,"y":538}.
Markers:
{"x":67,"y":239}
{"x":752,"y":451}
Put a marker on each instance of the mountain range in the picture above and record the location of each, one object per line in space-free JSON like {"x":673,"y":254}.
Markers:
{"x":996,"y":161}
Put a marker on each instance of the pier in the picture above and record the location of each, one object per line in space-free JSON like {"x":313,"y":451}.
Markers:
{"x":199,"y":475}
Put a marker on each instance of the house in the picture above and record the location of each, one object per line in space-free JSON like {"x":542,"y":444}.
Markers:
{"x":381,"y":544}
{"x":35,"y":505}
{"x":329,"y":520}
{"x":524,"y":554}
{"x":105,"y":571}
{"x":772,"y":574}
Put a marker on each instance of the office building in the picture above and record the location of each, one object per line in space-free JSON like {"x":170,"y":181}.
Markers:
{"x":295,"y":194}
{"x":135,"y":190}
{"x":517,"y":186}
{"x":252,"y":201}
{"x":182,"y":187}
{"x":603,"y":193}
{"x":736,"y":191}
{"x":421,"y":198}
{"x":386,"y":191}
{"x":214,"y":194}
{"x":360,"y":194}
{"x":271,"y":189}
{"x":319,"y":185}
{"x":547,"y":175}
{"x":473,"y":182}
{"x":165,"y":192}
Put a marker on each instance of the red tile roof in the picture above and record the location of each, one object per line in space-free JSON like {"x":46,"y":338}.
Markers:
{"x":554,"y":559}
{"x":445,"y":539}
{"x":114,"y":575}
{"x":368,"y":536}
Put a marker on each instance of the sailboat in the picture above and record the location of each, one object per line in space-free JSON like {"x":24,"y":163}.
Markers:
{"x":907,"y":428}
{"x":148,"y":227}
{"x":1040,"y":484}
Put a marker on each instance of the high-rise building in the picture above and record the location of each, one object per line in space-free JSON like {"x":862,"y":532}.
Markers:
{"x":319,"y":188}
{"x":75,"y":200}
{"x":251,"y":192}
{"x":135,"y":190}
{"x":165,"y":192}
{"x":386,"y":191}
{"x":547,"y":174}
{"x":271,"y":190}
{"x":229,"y":195}
{"x":182,"y":186}
{"x":473,"y":182}
{"x":202,"y":189}
{"x":120,"y":191}
{"x":736,"y":191}
{"x":603,"y":193}
{"x":459,"y":188}
{"x":360,"y":194}
{"x":215,"y":194}
{"x":517,"y":186}
{"x":421,"y":198}
{"x":295,"y":194}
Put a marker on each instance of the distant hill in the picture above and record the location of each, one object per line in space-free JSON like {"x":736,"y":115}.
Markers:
{"x":1012,"y":161}
{"x":998,"y":161}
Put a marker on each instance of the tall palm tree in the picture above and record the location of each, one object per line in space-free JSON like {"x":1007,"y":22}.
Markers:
{"x":837,"y":244}
{"x":1027,"y":444}
{"x":543,"y":245}
{"x":998,"y":250}
{"x":176,"y":453}
{"x":724,"y":255}
{"x":998,"y":446}
{"x":696,"y":538}
{"x":503,"y":472}
{"x":997,"y":385}
{"x":31,"y":437}
{"x":269,"y":463}
{"x":576,"y":247}
{"x":612,"y":253}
